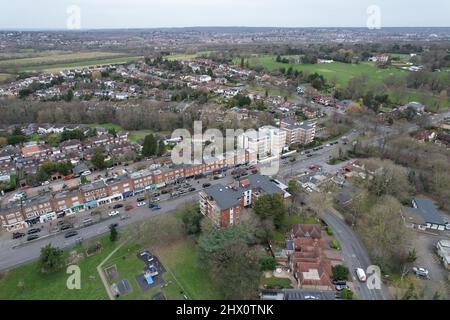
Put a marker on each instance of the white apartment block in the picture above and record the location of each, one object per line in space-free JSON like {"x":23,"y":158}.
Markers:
{"x":268,"y":141}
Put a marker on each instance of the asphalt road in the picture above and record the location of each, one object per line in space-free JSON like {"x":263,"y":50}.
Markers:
{"x":16,"y":252}
{"x":355,"y":256}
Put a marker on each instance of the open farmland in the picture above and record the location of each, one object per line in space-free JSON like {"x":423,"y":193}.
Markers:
{"x":59,"y":61}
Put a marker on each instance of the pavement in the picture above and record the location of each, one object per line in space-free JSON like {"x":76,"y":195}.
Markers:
{"x":17,"y":252}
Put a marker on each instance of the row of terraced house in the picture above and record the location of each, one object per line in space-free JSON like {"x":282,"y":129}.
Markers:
{"x":46,"y":207}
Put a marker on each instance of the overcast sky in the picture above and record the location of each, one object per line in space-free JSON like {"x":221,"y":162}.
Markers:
{"x":52,"y":14}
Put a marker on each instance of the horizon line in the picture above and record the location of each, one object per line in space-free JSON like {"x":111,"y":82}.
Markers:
{"x":205,"y":27}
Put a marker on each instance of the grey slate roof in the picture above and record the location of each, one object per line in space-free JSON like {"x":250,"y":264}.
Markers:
{"x":425,"y":212}
{"x":227,"y":197}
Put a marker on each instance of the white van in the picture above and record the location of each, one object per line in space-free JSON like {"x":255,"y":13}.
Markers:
{"x":361,"y":275}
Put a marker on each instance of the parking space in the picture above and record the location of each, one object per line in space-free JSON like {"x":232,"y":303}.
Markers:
{"x":153,"y":271}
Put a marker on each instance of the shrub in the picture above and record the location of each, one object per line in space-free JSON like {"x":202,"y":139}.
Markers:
{"x":329,"y":231}
{"x":334,"y":244}
{"x":340,"y":272}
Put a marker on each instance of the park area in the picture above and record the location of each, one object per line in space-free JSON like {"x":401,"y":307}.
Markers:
{"x":179,"y":275}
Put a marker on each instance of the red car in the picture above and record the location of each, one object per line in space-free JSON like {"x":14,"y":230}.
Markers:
{"x":129,"y":207}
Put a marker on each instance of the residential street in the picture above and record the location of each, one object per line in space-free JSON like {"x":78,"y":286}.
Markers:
{"x":354,"y":255}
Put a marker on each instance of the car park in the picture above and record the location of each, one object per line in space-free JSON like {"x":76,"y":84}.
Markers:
{"x":33,"y":230}
{"x":70,"y":234}
{"x":147,"y":256}
{"x":113,"y":213}
{"x":18,"y":235}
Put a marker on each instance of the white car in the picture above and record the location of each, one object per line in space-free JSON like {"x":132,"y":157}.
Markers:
{"x":141,"y":204}
{"x":447,"y":226}
{"x":113,"y":213}
{"x":421,"y":272}
{"x":361,"y":275}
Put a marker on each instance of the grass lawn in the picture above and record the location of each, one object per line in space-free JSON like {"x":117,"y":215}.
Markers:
{"x":134,"y":135}
{"x":4,"y":76}
{"x":339,"y":72}
{"x":181,"y":258}
{"x":129,"y":266}
{"x":53,"y":286}
{"x":276,"y":283}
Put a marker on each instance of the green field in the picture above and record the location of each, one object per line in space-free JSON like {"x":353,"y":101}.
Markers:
{"x":56,"y":61}
{"x":37,"y":286}
{"x":181,"y":258}
{"x":4,"y":76}
{"x":134,"y":135}
{"x":337,"y":72}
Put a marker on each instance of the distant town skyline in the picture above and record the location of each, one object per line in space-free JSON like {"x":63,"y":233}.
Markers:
{"x":117,"y":14}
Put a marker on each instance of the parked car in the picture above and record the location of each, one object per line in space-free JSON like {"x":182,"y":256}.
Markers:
{"x":340,"y":287}
{"x":206,"y":185}
{"x":192,"y":189}
{"x":129,"y":207}
{"x":69,"y":234}
{"x":155,"y":207}
{"x":309,"y":155}
{"x":339,"y":282}
{"x":33,"y":230}
{"x":32,"y":237}
{"x":65,"y":226}
{"x":140,"y":200}
{"x":113,"y":213}
{"x":87,"y":221}
{"x":361,"y":275}
{"x":142,"y":203}
{"x":155,"y":199}
{"x":421,"y":272}
{"x":147,"y":256}
{"x":124,"y":217}
{"x":118,"y":206}
{"x":18,"y":235}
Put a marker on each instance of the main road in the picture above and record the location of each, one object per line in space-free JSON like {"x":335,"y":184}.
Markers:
{"x":355,"y":256}
{"x":16,"y":252}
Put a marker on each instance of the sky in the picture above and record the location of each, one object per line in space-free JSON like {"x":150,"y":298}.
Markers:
{"x":104,"y":14}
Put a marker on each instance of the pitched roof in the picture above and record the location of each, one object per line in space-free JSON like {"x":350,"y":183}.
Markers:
{"x":307,"y":231}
